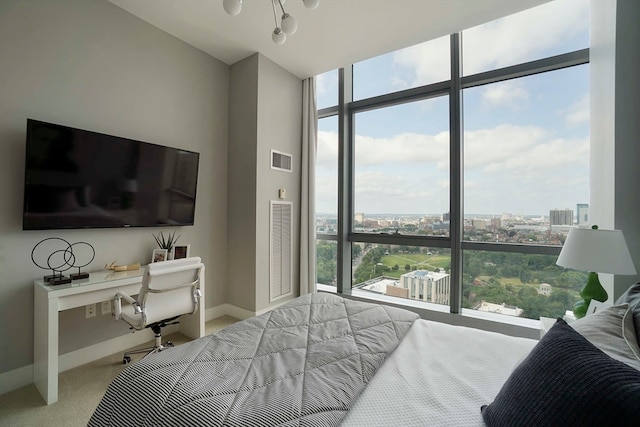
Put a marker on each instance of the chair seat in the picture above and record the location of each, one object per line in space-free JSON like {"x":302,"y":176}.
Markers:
{"x":133,"y":319}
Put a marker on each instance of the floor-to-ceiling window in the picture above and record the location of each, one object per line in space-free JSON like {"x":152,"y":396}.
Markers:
{"x":462,"y":162}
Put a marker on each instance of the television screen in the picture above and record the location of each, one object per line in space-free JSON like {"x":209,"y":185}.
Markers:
{"x":80,"y":179}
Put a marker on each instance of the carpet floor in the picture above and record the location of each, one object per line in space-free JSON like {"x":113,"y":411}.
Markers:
{"x":79,"y":390}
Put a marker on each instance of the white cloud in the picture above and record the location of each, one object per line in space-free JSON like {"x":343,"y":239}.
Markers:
{"x":508,"y":168}
{"x":521,"y":37}
{"x":508,"y":41}
{"x":327,"y":153}
{"x":578,"y":113}
{"x":520,"y":148}
{"x":510,"y":94}
{"x":429,"y":63}
{"x":403,"y":149}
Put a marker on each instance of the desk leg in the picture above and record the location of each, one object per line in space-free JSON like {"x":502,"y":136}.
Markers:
{"x":45,"y":345}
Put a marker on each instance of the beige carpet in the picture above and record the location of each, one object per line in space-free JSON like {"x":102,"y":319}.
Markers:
{"x":79,"y":390}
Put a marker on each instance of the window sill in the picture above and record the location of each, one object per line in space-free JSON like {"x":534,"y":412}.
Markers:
{"x":514,"y":326}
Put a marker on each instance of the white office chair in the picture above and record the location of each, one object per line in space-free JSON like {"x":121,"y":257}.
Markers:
{"x":169,"y":290}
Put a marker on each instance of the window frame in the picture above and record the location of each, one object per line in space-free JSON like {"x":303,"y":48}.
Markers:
{"x":347,"y":108}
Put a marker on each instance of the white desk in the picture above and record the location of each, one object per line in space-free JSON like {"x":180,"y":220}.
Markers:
{"x":100,"y":286}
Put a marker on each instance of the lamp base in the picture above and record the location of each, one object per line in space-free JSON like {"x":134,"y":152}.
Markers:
{"x":593,"y":290}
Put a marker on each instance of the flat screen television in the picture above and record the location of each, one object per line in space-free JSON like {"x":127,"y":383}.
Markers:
{"x":80,"y":179}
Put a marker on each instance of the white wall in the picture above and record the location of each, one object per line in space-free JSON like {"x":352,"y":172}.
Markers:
{"x":91,"y":65}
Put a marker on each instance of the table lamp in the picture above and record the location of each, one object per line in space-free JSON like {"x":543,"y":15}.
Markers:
{"x":595,"y":251}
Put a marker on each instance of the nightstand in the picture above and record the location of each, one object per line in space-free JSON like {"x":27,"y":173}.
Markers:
{"x":545,"y":324}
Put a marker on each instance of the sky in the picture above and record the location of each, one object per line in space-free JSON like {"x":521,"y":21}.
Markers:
{"x":526,"y":141}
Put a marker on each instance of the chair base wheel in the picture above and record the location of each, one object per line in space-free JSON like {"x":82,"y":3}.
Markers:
{"x":126,"y":359}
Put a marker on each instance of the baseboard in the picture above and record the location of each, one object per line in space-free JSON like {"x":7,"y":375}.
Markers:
{"x":23,"y":376}
{"x":97,"y":351}
{"x":228,"y":310}
{"x":17,"y":378}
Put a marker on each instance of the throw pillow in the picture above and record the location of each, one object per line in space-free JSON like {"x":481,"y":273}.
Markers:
{"x":632,"y":296}
{"x":566,"y":380}
{"x":612,"y":331}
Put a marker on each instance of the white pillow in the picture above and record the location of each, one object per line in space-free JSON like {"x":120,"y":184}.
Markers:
{"x":612,"y":331}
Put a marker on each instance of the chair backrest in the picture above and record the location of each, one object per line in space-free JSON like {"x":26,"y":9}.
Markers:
{"x":170,"y":289}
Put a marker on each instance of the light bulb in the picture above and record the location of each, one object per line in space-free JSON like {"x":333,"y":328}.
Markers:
{"x":311,"y":4}
{"x":278,"y":36}
{"x":232,"y":7}
{"x":289,"y":24}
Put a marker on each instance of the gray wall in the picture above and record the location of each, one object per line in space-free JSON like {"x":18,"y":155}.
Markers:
{"x":627,"y":133}
{"x":265,"y":113}
{"x":91,"y":65}
{"x":279,"y":128}
{"x":615,"y":128}
{"x":243,"y":110}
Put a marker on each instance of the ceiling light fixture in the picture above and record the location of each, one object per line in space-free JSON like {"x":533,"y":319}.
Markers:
{"x":288,"y":24}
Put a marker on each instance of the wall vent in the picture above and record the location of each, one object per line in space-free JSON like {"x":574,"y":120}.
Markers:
{"x":280,"y":161}
{"x":280,"y":253}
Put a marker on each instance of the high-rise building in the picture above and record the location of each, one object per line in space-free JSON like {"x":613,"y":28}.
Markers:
{"x":427,"y":286}
{"x":359,"y":217}
{"x":561,"y":217}
{"x":582,"y":213}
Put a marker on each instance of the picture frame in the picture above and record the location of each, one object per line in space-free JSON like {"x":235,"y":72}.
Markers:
{"x":181,"y":251}
{"x":159,"y":255}
{"x":594,"y":306}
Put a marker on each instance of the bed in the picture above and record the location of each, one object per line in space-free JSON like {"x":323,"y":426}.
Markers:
{"x":322,"y":360}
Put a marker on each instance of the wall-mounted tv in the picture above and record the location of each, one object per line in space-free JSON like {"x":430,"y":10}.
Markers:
{"x":80,"y":179}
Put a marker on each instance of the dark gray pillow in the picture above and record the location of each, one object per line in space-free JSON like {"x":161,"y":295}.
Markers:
{"x":632,"y":297}
{"x":566,"y":380}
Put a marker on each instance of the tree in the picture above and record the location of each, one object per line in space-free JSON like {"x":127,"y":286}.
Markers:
{"x":407,"y":267}
{"x":395,"y":267}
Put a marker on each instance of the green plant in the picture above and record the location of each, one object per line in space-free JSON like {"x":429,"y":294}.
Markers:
{"x":166,"y":242}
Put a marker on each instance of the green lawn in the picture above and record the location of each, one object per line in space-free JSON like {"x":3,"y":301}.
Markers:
{"x":419,"y":261}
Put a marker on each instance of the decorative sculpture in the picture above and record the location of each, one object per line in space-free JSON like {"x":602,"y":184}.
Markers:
{"x":61,"y":257}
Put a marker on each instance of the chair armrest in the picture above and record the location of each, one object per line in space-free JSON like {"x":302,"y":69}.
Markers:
{"x":118,"y":304}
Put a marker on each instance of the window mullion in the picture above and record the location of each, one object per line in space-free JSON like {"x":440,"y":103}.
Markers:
{"x":456,"y":173}
{"x":345,"y":192}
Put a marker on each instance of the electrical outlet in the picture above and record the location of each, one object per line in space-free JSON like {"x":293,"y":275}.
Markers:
{"x":106,"y":307}
{"x":90,"y":310}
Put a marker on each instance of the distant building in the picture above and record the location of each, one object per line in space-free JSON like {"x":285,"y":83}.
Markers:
{"x":561,"y":217}
{"x":545,"y":289}
{"x":508,"y":310}
{"x":496,"y":223}
{"x":446,"y":216}
{"x":424,"y":285}
{"x":378,"y":285}
{"x":397,"y":291}
{"x":582,"y":213}
{"x":479,"y":224}
{"x":359,"y":217}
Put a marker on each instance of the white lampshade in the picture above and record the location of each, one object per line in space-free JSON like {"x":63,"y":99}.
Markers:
{"x":278,"y":36}
{"x":289,"y":24}
{"x":232,"y":7}
{"x":311,"y":4}
{"x":600,"y":251}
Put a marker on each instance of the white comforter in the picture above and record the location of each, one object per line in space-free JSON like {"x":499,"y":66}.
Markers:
{"x":439,"y":375}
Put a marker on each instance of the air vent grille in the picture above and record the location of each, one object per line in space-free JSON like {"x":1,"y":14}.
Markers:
{"x":280,"y":253}
{"x":280,"y":161}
